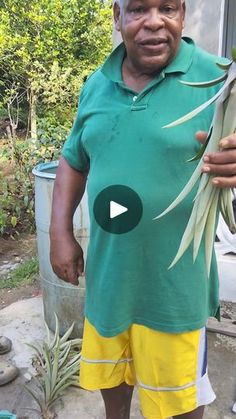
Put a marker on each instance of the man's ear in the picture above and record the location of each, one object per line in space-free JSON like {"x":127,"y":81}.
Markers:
{"x":183,"y":13}
{"x":116,"y":15}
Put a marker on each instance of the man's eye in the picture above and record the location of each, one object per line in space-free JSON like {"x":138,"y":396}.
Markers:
{"x":169,"y":11}
{"x":137,"y":10}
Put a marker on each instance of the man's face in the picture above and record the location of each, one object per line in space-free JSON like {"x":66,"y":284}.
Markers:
{"x":151,"y":30}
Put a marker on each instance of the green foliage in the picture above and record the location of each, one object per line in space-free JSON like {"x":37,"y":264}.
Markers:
{"x":16,"y":203}
{"x":3,"y":113}
{"x":47,"y":48}
{"x":57,"y":363}
{"x":22,"y":275}
{"x":51,"y":137}
{"x":17,"y":188}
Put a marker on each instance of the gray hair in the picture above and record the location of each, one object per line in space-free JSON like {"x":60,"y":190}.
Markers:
{"x":121,"y":2}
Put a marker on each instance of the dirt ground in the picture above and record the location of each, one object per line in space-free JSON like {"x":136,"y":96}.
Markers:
{"x":24,"y":247}
{"x":12,"y":254}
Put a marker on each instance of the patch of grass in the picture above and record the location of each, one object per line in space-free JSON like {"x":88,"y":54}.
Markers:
{"x":23,"y":275}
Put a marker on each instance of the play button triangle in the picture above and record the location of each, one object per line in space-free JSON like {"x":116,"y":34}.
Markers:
{"x":116,"y":209}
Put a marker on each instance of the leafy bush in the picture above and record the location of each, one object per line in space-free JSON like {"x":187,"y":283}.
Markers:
{"x":16,"y":203}
{"x":47,"y":49}
{"x":51,"y":137}
{"x":17,"y":188}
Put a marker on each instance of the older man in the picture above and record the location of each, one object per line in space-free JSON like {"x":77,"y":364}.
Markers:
{"x":144,"y":324}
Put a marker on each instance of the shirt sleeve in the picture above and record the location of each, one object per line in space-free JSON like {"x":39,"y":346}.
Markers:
{"x":73,"y":150}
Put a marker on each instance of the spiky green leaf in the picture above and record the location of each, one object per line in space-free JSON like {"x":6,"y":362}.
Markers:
{"x":202,"y":149}
{"x":55,"y":368}
{"x":67,"y":334}
{"x":201,"y":219}
{"x":210,"y":231}
{"x":202,"y":185}
{"x":224,"y":66}
{"x":187,"y":237}
{"x":231,"y":77}
{"x":64,"y":358}
{"x":48,"y":334}
{"x":205,"y":83}
{"x":35,"y":397}
{"x":188,"y":187}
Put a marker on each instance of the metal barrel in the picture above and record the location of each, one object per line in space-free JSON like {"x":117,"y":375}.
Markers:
{"x":62,"y":298}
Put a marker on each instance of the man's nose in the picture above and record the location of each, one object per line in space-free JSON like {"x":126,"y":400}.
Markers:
{"x":154,"y":20}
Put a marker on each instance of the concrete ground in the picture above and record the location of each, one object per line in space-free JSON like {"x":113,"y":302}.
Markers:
{"x":23,"y":323}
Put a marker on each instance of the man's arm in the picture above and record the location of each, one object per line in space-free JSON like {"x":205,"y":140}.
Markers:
{"x":66,"y":254}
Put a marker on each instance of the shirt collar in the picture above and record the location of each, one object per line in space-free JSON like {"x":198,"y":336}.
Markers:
{"x":181,"y":63}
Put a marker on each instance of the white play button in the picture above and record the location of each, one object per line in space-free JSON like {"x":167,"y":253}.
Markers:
{"x":116,"y":209}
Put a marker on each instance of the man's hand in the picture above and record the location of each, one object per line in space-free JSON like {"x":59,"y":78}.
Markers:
{"x":221,"y":163}
{"x":66,"y":256}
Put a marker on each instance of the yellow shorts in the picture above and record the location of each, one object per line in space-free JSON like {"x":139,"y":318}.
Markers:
{"x":170,"y":370}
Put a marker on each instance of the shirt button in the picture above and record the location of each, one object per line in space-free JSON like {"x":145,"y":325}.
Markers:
{"x":135,"y":98}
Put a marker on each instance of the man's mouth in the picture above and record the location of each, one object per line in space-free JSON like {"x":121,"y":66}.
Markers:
{"x":153,"y":42}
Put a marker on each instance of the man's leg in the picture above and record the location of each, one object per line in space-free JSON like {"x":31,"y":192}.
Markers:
{"x":195,"y":414}
{"x":117,"y":401}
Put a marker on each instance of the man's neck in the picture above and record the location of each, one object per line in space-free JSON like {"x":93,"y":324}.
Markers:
{"x":133,"y":78}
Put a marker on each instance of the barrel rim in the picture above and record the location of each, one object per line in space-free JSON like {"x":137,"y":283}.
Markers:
{"x":41,"y":170}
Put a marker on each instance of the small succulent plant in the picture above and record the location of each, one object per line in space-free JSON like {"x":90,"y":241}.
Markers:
{"x":57,"y":363}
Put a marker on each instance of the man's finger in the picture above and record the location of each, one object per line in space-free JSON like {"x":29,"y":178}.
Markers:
{"x":220,"y":169}
{"x":71,"y":274}
{"x":201,"y":136}
{"x":223,"y":157}
{"x":80,"y":269}
{"x":60,"y":272}
{"x":225,"y":182}
{"x":228,"y":142}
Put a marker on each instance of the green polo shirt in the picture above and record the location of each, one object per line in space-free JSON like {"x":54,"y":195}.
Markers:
{"x":118,"y":135}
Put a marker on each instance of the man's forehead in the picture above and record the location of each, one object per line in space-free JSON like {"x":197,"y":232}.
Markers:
{"x":126,"y":2}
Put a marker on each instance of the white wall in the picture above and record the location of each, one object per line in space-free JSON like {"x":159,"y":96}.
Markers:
{"x":203,"y":23}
